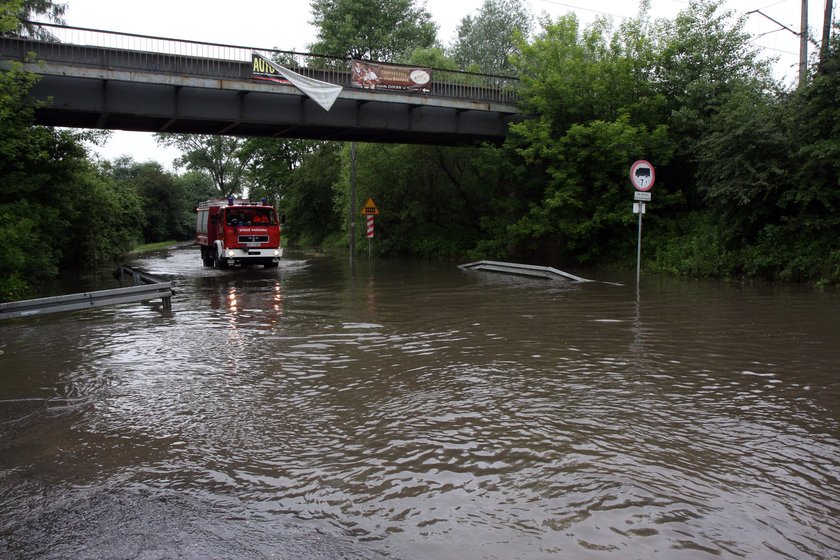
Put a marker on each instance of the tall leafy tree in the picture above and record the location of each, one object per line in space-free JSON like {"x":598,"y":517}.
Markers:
{"x":104,"y":220}
{"x":56,"y":210}
{"x":223,"y":158}
{"x":20,"y":12}
{"x":10,"y":15}
{"x":589,"y":90}
{"x":743,"y":158}
{"x":28,"y":257}
{"x":196,"y":187}
{"x":804,"y":244}
{"x":309,"y":199}
{"x":486,"y":41}
{"x":571,"y":74}
{"x":273,"y":165}
{"x":706,"y":57}
{"x":163,"y":200}
{"x":384,"y":30}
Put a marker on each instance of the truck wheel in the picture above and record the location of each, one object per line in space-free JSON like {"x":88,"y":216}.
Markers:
{"x":205,"y":257}
{"x":220,"y":262}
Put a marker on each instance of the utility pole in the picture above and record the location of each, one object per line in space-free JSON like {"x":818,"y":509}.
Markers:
{"x":351,"y":219}
{"x":826,"y":34}
{"x":803,"y":44}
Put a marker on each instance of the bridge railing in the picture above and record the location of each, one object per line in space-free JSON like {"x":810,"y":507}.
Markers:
{"x":129,"y":51}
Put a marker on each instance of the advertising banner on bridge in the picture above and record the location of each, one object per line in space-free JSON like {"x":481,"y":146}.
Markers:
{"x":262,"y":69}
{"x":322,"y":93}
{"x":375,"y":75}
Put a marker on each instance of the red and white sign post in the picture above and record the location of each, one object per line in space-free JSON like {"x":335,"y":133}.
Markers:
{"x":642,"y":175}
{"x":370,"y":227}
{"x":369,"y":210}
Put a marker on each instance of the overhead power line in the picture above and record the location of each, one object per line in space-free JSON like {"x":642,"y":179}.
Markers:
{"x":573,"y":7}
{"x":782,"y":25}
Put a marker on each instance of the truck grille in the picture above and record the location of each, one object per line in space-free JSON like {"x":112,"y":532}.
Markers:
{"x":253,"y":239}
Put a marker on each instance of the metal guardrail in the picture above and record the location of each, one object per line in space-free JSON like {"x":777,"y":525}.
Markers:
{"x":522,"y":270}
{"x":138,"y":276}
{"x":101,"y":48}
{"x":146,"y":287}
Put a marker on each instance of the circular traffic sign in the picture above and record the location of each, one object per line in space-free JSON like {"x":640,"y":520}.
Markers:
{"x":642,"y":175}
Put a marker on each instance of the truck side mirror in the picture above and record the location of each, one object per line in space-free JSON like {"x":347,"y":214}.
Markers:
{"x":283,"y":218}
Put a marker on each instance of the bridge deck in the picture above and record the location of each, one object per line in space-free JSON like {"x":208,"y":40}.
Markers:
{"x":165,"y":85}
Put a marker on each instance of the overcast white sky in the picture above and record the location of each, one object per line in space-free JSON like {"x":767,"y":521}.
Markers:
{"x":285,"y":25}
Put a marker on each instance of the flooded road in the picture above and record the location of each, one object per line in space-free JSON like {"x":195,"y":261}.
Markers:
{"x":420,"y":411}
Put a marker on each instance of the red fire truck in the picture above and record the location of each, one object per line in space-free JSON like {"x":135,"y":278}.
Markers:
{"x":234,"y":231}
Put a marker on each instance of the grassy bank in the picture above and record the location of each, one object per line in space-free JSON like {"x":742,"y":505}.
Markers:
{"x":146,"y":247}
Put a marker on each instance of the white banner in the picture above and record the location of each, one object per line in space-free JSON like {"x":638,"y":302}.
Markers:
{"x":323,"y":93}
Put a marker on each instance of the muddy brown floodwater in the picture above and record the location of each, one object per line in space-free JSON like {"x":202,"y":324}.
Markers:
{"x":421,"y":411}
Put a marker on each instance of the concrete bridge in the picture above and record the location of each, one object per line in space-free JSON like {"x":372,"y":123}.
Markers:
{"x":101,"y":79}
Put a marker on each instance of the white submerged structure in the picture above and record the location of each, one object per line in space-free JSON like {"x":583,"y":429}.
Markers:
{"x":522,"y":270}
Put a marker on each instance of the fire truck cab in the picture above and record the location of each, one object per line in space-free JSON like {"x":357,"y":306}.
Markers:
{"x":238,"y":232}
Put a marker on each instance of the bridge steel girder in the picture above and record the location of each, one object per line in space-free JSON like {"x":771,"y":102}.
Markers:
{"x":85,"y":97}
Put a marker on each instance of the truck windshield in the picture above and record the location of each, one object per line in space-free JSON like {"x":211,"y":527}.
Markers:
{"x":250,"y":216}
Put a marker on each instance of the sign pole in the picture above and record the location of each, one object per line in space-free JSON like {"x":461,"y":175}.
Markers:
{"x":369,"y":232}
{"x":369,"y":210}
{"x":639,"y":245}
{"x":642,"y":176}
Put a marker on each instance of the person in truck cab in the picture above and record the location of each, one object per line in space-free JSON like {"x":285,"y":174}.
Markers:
{"x":261,"y":218}
{"x":238,"y":219}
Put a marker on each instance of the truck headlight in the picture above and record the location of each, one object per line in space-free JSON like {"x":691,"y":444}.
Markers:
{"x":231,"y":253}
{"x":276,"y":253}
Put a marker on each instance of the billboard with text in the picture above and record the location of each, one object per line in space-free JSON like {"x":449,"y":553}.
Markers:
{"x":392,"y":77}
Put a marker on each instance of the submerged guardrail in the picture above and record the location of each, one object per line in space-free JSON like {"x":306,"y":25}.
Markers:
{"x":145,"y":287}
{"x":522,"y":270}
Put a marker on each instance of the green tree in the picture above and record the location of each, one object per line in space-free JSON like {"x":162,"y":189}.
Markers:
{"x":196,"y":187}
{"x":104,"y":220}
{"x":743,"y":162}
{"x":803,"y":244}
{"x":29,"y":257}
{"x":432,"y":198}
{"x":15,"y":15}
{"x":433,"y":57}
{"x":706,"y":57}
{"x":273,"y":162}
{"x":486,"y":41}
{"x":384,"y":30}
{"x":10,"y":15}
{"x":583,"y":214}
{"x":309,"y":196}
{"x":164,"y":203}
{"x":571,"y":75}
{"x":56,"y":210}
{"x":223,"y":158}
{"x":596,"y":114}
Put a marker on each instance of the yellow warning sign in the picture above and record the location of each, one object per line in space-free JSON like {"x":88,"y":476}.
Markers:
{"x":369,"y":208}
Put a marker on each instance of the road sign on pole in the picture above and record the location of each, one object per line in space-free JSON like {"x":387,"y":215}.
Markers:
{"x":369,"y":208}
{"x":642,"y":175}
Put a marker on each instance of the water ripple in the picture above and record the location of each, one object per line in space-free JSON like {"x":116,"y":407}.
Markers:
{"x":457,"y":414}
